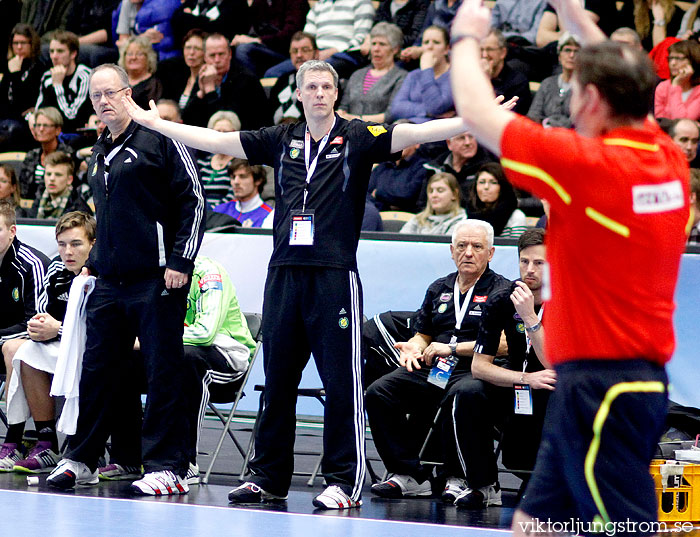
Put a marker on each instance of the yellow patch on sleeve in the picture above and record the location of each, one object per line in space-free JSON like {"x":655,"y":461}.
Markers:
{"x":376,"y":130}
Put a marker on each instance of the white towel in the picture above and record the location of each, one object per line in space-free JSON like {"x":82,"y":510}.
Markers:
{"x":40,"y":355}
{"x":66,"y":380}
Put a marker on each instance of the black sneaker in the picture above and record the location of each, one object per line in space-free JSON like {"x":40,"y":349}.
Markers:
{"x":249,"y":492}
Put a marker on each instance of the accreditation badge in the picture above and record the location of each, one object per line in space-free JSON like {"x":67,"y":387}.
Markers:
{"x":301,"y":228}
{"x":523,"y":399}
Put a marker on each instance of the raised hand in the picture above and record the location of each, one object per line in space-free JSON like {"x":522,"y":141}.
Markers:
{"x":147,"y":118}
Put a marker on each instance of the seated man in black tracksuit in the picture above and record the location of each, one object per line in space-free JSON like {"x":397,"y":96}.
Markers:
{"x":446,"y":329}
{"x":22,"y":295}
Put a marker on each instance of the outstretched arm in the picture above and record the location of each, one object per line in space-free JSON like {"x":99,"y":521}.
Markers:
{"x":577,"y":21}
{"x":227,"y":143}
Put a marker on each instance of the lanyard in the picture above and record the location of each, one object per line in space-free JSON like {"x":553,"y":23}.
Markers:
{"x":460,"y":310}
{"x":311,"y":167}
{"x":527,"y":338}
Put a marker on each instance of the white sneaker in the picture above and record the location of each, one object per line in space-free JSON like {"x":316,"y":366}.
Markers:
{"x":335,"y":498}
{"x":402,"y":486}
{"x":192,"y":476}
{"x":453,"y":488}
{"x":161,"y":483}
{"x":70,"y":473}
{"x":480,"y":498}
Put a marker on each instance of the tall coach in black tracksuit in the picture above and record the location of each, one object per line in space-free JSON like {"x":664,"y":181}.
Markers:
{"x":149,"y":208}
{"x":313,"y":296}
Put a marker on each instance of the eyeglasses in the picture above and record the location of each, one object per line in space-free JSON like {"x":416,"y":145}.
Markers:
{"x":676,"y":58}
{"x":302,"y":50}
{"x":110,"y":94}
{"x":44,"y":125}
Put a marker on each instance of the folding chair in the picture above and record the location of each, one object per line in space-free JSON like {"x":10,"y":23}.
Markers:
{"x":254,"y":321}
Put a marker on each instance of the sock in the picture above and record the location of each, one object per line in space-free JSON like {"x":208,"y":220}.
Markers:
{"x":47,"y":433}
{"x":14,"y":433}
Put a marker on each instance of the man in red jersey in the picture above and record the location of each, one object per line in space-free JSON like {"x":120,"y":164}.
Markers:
{"x":618,"y":189}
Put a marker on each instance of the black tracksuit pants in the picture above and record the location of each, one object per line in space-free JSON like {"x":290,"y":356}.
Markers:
{"x":312,"y":310}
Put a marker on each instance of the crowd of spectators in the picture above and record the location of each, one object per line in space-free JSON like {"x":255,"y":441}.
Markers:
{"x":212,"y":57}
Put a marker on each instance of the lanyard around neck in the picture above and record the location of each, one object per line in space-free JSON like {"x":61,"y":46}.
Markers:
{"x":311,"y":166}
{"x":461,"y":310}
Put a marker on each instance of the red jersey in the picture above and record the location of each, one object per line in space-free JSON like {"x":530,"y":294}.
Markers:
{"x":619,"y":209}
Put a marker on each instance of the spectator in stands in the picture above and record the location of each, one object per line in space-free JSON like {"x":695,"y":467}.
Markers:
{"x":691,"y":23}
{"x":339,"y":27}
{"x":179,"y":75}
{"x":19,"y":88}
{"x":139,"y":60}
{"x":517,"y":312}
{"x":148,"y":17}
{"x":603,"y":12}
{"x":225,"y":85}
{"x":92,"y":22}
{"x":214,"y":167}
{"x":227,"y":17}
{"x":169,"y":109}
{"x":446,"y":326}
{"x":492,"y":199}
{"x":397,"y":185}
{"x":9,"y":188}
{"x":505,"y":80}
{"x":408,"y":15}
{"x":443,"y":210}
{"x":426,"y":93}
{"x":283,"y":95}
{"x":217,"y":341}
{"x":655,"y":20}
{"x":372,"y":220}
{"x":464,"y":157}
{"x":686,"y":134}
{"x":694,"y":236}
{"x":45,"y":17}
{"x":247,"y":183}
{"x":627,"y":36}
{"x":440,"y":13}
{"x":518,"y":19}
{"x":59,"y":196}
{"x":679,"y":97}
{"x":22,"y":294}
{"x":267,"y":39}
{"x":551,"y":103}
{"x":34,"y":362}
{"x":369,"y":91}
{"x":46,"y":126}
{"x":65,"y":85}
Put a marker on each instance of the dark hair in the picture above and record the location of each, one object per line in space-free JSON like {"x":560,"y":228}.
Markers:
{"x":194,"y":32}
{"x":624,"y":77}
{"x":257,"y":171}
{"x":691,"y":50}
{"x":77,"y":219}
{"x":59,"y":158}
{"x":12,"y":176}
{"x":28,"y":31}
{"x":498,"y":213}
{"x":67,"y":38}
{"x":298,"y":36}
{"x":533,"y":236}
{"x":695,"y":184}
{"x":445,"y":33}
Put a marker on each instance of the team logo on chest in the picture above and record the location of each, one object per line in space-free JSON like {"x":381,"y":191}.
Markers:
{"x":445,"y":297}
{"x":442,"y":308}
{"x":343,"y":322}
{"x":294,"y":152}
{"x":15,"y":294}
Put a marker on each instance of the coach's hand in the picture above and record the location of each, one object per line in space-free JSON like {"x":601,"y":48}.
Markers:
{"x":411,"y":354}
{"x":175,"y":279}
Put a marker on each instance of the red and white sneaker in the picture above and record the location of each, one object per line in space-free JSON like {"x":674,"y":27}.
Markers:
{"x":335,"y":498}
{"x":161,"y":483}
